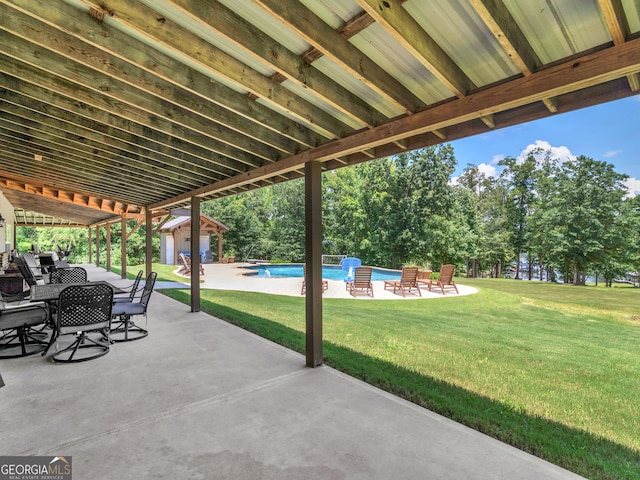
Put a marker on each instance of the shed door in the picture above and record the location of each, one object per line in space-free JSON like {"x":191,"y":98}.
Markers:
{"x":169,"y":250}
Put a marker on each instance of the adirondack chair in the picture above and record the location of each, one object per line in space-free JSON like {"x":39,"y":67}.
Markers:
{"x":408,"y":281}
{"x":361,"y":282}
{"x":185,"y":269}
{"x":445,"y":279}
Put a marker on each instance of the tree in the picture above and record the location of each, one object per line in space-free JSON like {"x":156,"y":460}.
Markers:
{"x":245,"y":217}
{"x":589,"y":214}
{"x":520,"y":180}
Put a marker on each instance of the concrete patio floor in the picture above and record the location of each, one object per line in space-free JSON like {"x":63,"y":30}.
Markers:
{"x":202,"y":399}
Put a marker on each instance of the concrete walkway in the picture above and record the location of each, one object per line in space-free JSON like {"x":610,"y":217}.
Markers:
{"x":202,"y":399}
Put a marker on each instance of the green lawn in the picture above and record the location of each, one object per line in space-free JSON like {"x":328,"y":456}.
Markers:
{"x":551,"y":369}
{"x":166,"y":273}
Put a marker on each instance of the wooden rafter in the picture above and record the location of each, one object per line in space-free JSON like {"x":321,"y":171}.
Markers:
{"x":112,"y":206}
{"x":618,"y":26}
{"x":504,"y":28}
{"x":142,"y":19}
{"x":288,"y":66}
{"x":317,"y":33}
{"x":227,"y":106}
{"x":592,"y":69}
{"x":395,"y":19}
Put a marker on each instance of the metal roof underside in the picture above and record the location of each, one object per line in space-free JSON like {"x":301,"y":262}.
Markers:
{"x":112,"y":108}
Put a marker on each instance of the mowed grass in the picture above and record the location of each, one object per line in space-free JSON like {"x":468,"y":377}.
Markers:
{"x":551,"y":369}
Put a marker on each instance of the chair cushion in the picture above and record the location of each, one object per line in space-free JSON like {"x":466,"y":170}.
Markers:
{"x":20,"y":317}
{"x":127,"y":308}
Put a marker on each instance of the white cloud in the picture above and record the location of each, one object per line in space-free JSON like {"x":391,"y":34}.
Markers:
{"x":454,"y":181}
{"x":562,"y":154}
{"x":488,"y":170}
{"x":633,"y":184}
{"x":611,"y":153}
{"x":497,"y":158}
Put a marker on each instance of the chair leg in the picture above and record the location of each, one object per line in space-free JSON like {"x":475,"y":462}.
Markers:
{"x":124,"y":330}
{"x":21,"y":342}
{"x":82,"y":341}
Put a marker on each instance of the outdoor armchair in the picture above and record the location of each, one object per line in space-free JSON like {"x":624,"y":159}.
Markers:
{"x":68,"y":275}
{"x":84,"y":311}
{"x":445,"y":279}
{"x":361,"y":282}
{"x":408,"y":281}
{"x":123,"y":328}
{"x":27,"y":273}
{"x":18,"y":338}
{"x":131,"y":294}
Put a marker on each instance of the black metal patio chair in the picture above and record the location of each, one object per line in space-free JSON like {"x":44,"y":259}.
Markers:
{"x":123,"y":328}
{"x":68,"y":275}
{"x":133,"y":290}
{"x":18,"y":338}
{"x":27,"y":273}
{"x":85,"y":312}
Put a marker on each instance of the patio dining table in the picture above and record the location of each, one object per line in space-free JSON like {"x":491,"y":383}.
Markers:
{"x":51,"y":291}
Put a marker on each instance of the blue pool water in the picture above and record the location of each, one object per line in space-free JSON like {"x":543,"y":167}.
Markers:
{"x":328,"y":272}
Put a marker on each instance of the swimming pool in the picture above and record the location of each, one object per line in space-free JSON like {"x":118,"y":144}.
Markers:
{"x":329,"y":272}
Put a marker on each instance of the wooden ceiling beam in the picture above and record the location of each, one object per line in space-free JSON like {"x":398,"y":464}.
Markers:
{"x":505,"y":29}
{"x":101,"y":113}
{"x":317,"y":33}
{"x":129,"y":58}
{"x":121,"y":166}
{"x":162,"y":30}
{"x":155,"y":128}
{"x":63,"y":196}
{"x":615,"y":19}
{"x":618,"y":26}
{"x":220,"y":139}
{"x":138,"y":151}
{"x":350,"y":29}
{"x":392,"y":16}
{"x":18,"y":158}
{"x":488,"y":120}
{"x":265,"y":49}
{"x":576,"y":74}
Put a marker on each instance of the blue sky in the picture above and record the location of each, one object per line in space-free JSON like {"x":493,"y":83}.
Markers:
{"x":608,"y":132}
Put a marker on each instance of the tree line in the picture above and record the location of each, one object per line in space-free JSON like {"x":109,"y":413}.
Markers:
{"x":540,"y":218}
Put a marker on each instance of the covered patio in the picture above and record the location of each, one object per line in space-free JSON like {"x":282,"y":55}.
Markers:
{"x":121,"y":110}
{"x":201,"y":398}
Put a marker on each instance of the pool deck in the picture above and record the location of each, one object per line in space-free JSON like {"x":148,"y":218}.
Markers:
{"x":231,"y":277}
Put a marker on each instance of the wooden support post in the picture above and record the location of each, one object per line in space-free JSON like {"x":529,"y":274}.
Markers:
{"x":97,"y":245}
{"x":313,"y":254}
{"x":219,"y":246}
{"x":148,"y":256}
{"x":123,"y":243}
{"x":89,"y":243}
{"x":175,"y":248}
{"x":195,"y":254}
{"x":108,"y":242}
